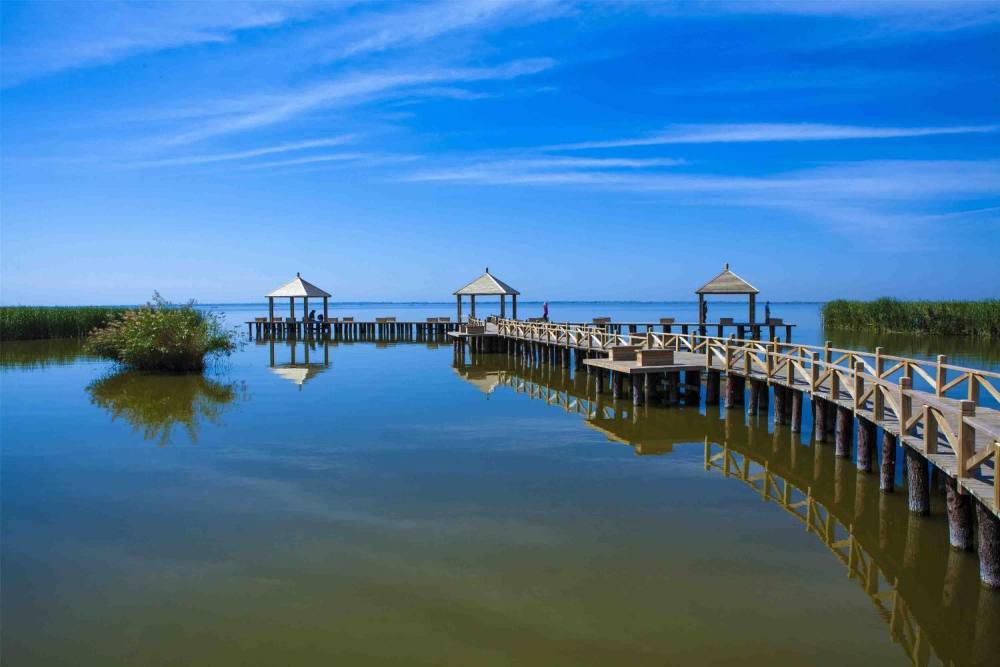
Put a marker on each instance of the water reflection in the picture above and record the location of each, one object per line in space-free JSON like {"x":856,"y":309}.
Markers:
{"x":306,"y":358}
{"x":299,"y":360}
{"x":973,"y":351}
{"x":35,"y":354}
{"x":928,"y":595}
{"x":156,"y":404}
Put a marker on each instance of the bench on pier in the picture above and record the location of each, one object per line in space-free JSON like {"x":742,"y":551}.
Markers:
{"x":622,"y":352}
{"x":654,"y":357}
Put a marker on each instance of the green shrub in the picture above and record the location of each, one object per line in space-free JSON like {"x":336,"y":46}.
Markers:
{"x":39,"y":322}
{"x":972,"y":318}
{"x":163,"y":337}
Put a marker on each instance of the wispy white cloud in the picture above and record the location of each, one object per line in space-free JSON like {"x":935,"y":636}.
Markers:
{"x":883,"y":180}
{"x":894,"y":15}
{"x":367,"y":159}
{"x":889,"y":190}
{"x":421,"y":23}
{"x":352,"y":90}
{"x":538,"y":169}
{"x":768,"y":132}
{"x":247,"y":154}
{"x":61,"y":36}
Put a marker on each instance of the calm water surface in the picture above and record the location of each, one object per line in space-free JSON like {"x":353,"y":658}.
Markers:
{"x":387,"y":504}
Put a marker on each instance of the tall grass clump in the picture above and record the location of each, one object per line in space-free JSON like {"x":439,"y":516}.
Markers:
{"x":965,"y":318}
{"x":162,"y":337}
{"x":39,"y":322}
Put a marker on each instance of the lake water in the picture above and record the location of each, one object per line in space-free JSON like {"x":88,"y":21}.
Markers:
{"x":387,"y":504}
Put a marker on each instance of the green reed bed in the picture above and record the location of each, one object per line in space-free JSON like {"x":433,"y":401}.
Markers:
{"x":38,"y":322}
{"x":966,"y":318}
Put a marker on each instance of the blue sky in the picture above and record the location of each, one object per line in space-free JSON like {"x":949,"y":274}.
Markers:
{"x":581,"y":150}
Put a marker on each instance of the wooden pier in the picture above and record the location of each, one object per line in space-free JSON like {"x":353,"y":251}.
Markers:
{"x":346,"y":328}
{"x":941,"y":414}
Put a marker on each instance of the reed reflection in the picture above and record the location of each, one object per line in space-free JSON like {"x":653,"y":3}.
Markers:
{"x":156,"y":404}
{"x":973,"y":351}
{"x":928,"y":594}
{"x":35,"y":354}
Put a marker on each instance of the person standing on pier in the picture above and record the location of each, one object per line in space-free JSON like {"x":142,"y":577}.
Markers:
{"x":767,"y":311}
{"x":545,"y":311}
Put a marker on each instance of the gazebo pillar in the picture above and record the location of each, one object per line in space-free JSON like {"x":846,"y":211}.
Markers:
{"x":472,"y":305}
{"x":753,"y":309}
{"x":305,"y":308}
{"x":701,"y":309}
{"x":291,"y":306}
{"x":513,"y":306}
{"x":503,"y":307}
{"x":326,"y":308}
{"x":458,"y":307}
{"x":270,"y":309}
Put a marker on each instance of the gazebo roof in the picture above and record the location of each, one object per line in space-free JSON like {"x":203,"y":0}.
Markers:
{"x":298,"y":288}
{"x":727,"y":282}
{"x":487,"y":284}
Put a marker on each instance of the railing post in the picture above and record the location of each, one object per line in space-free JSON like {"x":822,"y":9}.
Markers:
{"x":813,"y":371}
{"x":827,"y":353}
{"x":930,"y":431}
{"x":996,"y":483}
{"x":729,"y":357}
{"x":859,"y":385}
{"x":973,"y":387}
{"x":966,"y":439}
{"x":905,"y":405}
{"x":878,"y":400}
{"x":941,"y":376}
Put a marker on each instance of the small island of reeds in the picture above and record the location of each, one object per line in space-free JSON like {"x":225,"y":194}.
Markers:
{"x":44,"y":322}
{"x":161,"y":336}
{"x":949,"y":318}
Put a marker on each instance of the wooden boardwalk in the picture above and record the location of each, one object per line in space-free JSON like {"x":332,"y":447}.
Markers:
{"x":941,"y":414}
{"x":911,"y":399}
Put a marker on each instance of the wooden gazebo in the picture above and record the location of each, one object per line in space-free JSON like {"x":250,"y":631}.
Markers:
{"x":727,"y":282}
{"x":300,"y":289}
{"x":487,"y":285}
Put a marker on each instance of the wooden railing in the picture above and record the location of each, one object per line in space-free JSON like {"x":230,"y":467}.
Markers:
{"x":948,"y":413}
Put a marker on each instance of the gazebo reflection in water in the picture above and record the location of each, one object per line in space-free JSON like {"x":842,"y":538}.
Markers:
{"x":299,"y":370}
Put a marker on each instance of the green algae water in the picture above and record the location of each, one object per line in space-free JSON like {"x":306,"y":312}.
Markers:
{"x":304,"y":503}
